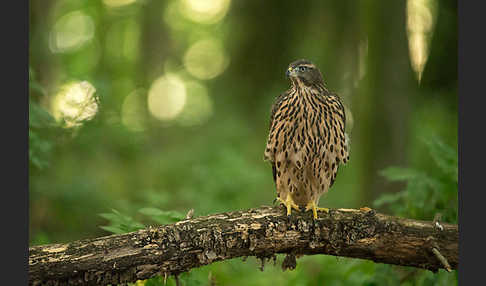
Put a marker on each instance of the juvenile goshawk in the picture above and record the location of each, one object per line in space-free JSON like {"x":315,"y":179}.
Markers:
{"x":307,"y":139}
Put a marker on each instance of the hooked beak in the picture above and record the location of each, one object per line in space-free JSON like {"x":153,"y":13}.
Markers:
{"x":289,"y":72}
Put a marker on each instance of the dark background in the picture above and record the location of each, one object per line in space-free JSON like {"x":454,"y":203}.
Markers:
{"x":211,"y":70}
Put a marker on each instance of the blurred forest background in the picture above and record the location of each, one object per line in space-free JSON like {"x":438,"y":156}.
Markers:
{"x":141,"y":110}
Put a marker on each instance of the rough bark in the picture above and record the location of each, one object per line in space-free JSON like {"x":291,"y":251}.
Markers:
{"x":261,"y":232}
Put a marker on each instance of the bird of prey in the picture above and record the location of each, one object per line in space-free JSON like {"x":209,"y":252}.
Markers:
{"x":307,"y":139}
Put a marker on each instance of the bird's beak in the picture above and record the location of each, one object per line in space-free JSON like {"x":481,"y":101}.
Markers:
{"x":289,"y":72}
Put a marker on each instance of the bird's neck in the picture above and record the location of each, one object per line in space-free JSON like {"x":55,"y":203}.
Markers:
{"x":318,"y":88}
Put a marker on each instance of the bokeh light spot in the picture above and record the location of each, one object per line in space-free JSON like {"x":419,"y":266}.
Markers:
{"x":198,"y":107}
{"x":205,"y":11}
{"x":75,"y":103}
{"x":71,"y":32}
{"x":421,"y":18}
{"x":166,"y":97}
{"x":206,"y":59}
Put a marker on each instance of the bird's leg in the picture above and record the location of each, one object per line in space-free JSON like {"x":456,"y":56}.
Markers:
{"x":289,"y":204}
{"x":312,"y":206}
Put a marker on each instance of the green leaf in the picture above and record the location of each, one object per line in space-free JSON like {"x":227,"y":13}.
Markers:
{"x":34,"y":85}
{"x":425,"y":194}
{"x":113,"y":229}
{"x":39,"y":149}
{"x":109,"y":216}
{"x":388,"y":199}
{"x":120,"y":223}
{"x":444,"y":156}
{"x":162,"y":217}
{"x":39,"y":117}
{"x":37,"y":88}
{"x":400,"y":174}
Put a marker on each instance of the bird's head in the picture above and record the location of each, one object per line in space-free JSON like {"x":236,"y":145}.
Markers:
{"x":304,"y":73}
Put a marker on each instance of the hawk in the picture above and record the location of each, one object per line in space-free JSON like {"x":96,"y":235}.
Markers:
{"x":307,"y":140}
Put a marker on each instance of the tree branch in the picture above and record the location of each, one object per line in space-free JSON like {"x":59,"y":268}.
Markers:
{"x":261,"y":232}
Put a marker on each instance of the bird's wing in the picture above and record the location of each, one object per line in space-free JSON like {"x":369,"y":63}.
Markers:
{"x":276,"y":106}
{"x":342,"y":146}
{"x":268,"y":154}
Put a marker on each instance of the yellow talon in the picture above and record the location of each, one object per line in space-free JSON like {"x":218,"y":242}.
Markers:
{"x":312,"y":206}
{"x":289,"y":204}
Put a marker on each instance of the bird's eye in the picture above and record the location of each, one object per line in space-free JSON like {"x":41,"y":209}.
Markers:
{"x":302,"y":68}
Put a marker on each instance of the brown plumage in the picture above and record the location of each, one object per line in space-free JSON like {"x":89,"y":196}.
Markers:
{"x":307,"y":139}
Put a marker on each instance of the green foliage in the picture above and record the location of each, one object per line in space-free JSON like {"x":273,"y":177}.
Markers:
{"x":41,"y":126}
{"x":426,"y":193}
{"x":34,"y":86}
{"x":120,"y":223}
{"x":162,"y":217}
{"x":39,"y":150}
{"x":446,"y":158}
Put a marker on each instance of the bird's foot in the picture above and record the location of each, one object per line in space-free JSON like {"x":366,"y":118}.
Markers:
{"x":312,"y":206}
{"x":289,"y":204}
